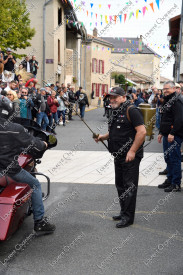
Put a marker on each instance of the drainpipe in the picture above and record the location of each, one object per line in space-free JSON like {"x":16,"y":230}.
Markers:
{"x":180,"y":38}
{"x":44,"y":38}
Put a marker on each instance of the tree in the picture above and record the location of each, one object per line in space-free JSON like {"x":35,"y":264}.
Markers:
{"x":15,"y":28}
{"x":120,"y":79}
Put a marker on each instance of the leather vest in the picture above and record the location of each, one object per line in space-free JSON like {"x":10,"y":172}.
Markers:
{"x":121,"y":133}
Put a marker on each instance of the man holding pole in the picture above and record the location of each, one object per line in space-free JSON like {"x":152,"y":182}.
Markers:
{"x":125,"y":139}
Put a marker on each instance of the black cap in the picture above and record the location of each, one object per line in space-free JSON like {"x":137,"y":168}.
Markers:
{"x":117,"y":91}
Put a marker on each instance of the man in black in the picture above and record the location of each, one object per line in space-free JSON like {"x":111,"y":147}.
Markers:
{"x":71,"y":96}
{"x":26,"y":64}
{"x":9,"y":61}
{"x":15,"y":139}
{"x":171,"y":130}
{"x":125,"y":138}
{"x":34,"y":66}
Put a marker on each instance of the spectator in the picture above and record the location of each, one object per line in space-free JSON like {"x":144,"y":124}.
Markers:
{"x":26,"y":64}
{"x":77,"y":94}
{"x":9,"y":61}
{"x":178,"y":88}
{"x":12,"y":86}
{"x":30,"y":87}
{"x":136,"y":99}
{"x":41,"y":116}
{"x":26,"y":104}
{"x":62,"y":108}
{"x":171,"y":130}
{"x":52,"y":86}
{"x":1,"y":63}
{"x":53,"y":104}
{"x":57,"y":86}
{"x":83,"y":101}
{"x":150,"y":100}
{"x":12,"y":95}
{"x":35,"y":81}
{"x":34,"y":66}
{"x":71,"y":95}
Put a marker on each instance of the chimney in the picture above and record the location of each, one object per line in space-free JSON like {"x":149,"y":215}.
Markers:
{"x":95,"y":32}
{"x":140,"y":44}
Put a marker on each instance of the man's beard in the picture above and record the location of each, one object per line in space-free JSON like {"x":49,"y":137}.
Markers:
{"x":115,"y":105}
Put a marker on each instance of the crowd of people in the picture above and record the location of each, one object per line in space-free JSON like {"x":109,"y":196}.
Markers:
{"x":49,"y":106}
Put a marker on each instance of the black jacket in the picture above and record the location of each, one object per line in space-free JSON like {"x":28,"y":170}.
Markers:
{"x":172,"y":115}
{"x":14,"y":139}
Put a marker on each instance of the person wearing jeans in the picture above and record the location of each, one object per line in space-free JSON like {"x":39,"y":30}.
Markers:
{"x":41,"y":116}
{"x":62,"y":108}
{"x":171,"y":131}
{"x":83,"y":101}
{"x":53,"y":104}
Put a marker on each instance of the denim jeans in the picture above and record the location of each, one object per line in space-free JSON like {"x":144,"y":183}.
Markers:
{"x":42,"y":117}
{"x":157,"y":118}
{"x":82,"y":110}
{"x":63,"y":115}
{"x":172,"y":156}
{"x":55,"y":117}
{"x":37,"y":202}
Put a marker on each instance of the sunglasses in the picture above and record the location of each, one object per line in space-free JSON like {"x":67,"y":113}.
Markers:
{"x":9,"y":94}
{"x":24,"y":93}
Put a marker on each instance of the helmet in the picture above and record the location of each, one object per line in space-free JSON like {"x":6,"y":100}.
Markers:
{"x":6,"y":107}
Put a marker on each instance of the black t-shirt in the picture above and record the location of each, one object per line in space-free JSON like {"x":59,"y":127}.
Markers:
{"x":136,"y":117}
{"x":9,"y":66}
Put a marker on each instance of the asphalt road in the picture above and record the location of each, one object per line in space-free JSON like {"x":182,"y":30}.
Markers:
{"x":86,"y":241}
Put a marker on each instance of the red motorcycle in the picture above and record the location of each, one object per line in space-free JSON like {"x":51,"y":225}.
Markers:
{"x":15,"y":198}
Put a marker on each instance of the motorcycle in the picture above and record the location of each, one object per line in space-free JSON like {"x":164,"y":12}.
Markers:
{"x":15,"y":198}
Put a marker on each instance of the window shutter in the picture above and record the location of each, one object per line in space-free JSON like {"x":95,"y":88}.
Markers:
{"x":96,"y":65}
{"x":103,"y":88}
{"x":93,"y":65}
{"x":99,"y":67}
{"x":97,"y":90}
{"x":102,"y":66}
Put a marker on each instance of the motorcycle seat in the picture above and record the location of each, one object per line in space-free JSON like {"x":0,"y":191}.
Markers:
{"x":3,"y":181}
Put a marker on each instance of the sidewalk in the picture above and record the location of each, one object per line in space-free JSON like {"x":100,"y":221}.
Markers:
{"x":91,"y":167}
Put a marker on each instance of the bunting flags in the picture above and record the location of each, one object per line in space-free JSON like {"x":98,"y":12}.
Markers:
{"x":152,"y":6}
{"x":115,"y":18}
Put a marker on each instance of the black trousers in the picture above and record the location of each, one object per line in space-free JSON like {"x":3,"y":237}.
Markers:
{"x":126,"y":180}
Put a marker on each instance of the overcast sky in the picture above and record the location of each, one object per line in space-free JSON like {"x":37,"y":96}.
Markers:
{"x":157,"y":20}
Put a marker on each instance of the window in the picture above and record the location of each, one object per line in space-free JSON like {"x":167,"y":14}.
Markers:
{"x":59,"y":16}
{"x":58,"y":51}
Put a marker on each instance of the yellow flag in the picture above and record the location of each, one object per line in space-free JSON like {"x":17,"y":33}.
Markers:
{"x":100,"y":6}
{"x":137,"y":13}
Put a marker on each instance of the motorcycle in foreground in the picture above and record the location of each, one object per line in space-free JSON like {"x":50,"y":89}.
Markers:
{"x":15,"y":198}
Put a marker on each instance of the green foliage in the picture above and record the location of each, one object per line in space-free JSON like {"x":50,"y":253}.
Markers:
{"x":15,"y":28}
{"x":120,"y":79}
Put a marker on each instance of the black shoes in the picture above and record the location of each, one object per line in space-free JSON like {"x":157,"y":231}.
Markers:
{"x":43,"y":227}
{"x":165,"y":184}
{"x":124,"y":223}
{"x":164,"y":172}
{"x":173,"y":188}
{"x":117,"y":218}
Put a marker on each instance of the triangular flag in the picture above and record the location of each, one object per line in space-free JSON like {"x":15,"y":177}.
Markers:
{"x":96,"y":15}
{"x":109,"y":6}
{"x":157,"y":2}
{"x":106,"y":19}
{"x":91,"y":5}
{"x":131,"y":13}
{"x":87,"y":13}
{"x":120,"y":17}
{"x":82,"y":24}
{"x":101,"y":17}
{"x":100,"y":6}
{"x":101,"y":23}
{"x":96,"y":24}
{"x":152,"y":6}
{"x":144,"y":10}
{"x":137,"y":13}
{"x":90,"y":24}
{"x":145,"y":0}
{"x":115,"y":18}
{"x":110,"y":18}
{"x":140,"y":11}
{"x":125,"y":15}
{"x":91,"y":14}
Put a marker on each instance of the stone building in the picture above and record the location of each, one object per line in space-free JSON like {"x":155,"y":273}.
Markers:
{"x":57,"y":41}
